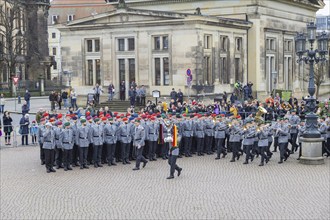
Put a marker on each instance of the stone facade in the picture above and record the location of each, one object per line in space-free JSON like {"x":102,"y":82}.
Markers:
{"x":220,"y":41}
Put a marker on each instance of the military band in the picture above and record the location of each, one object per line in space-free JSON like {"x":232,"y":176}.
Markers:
{"x":107,"y":139}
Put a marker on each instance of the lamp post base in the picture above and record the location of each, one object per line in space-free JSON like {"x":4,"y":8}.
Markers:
{"x":311,"y":151}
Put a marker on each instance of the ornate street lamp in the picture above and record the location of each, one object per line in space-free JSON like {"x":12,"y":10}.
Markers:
{"x":313,"y":56}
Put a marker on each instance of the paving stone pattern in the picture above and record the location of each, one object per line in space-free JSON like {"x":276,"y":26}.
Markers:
{"x":206,"y":189}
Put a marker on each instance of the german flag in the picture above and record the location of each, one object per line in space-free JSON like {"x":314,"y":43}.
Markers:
{"x":175,"y":136}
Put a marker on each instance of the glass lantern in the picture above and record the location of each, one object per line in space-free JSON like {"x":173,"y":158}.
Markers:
{"x":311,"y":31}
{"x":300,"y":43}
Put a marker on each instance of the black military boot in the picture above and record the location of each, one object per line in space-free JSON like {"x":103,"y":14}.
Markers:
{"x":261,"y":164}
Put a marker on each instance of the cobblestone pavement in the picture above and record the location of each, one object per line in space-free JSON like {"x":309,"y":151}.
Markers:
{"x":207,"y":189}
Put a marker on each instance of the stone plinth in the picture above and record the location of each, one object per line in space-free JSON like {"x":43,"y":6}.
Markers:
{"x":311,"y":151}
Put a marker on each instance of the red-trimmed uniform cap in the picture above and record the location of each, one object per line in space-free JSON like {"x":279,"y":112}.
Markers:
{"x":59,"y":116}
{"x":125,"y":119}
{"x":104,"y":118}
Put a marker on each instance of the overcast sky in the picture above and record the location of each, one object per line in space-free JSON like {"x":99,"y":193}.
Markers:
{"x":326,"y":9}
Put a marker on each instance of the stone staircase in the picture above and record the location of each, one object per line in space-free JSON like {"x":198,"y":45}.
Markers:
{"x":117,"y":106}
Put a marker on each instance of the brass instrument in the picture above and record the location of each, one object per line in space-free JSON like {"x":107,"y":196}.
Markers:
{"x":261,"y":111}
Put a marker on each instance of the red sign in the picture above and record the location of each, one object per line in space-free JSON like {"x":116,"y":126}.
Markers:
{"x":15,"y":79}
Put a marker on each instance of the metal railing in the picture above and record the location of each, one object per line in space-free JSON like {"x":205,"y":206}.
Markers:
{"x":15,"y":137}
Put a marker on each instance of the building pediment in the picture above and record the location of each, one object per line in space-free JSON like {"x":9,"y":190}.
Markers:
{"x":126,"y":16}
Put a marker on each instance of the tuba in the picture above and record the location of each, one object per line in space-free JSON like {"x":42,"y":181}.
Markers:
{"x":261,"y":111}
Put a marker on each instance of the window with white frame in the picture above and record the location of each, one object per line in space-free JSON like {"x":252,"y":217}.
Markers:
{"x":53,"y":35}
{"x":288,"y":45}
{"x":92,"y":45}
{"x":160,"y":42}
{"x":55,"y":19}
{"x":93,"y":71}
{"x":54,"y":51}
{"x":70,"y":18}
{"x":126,"y":44}
{"x":224,"y":43}
{"x":162,"y":75}
{"x":207,"y":41}
{"x":271,"y":44}
{"x":238,"y":44}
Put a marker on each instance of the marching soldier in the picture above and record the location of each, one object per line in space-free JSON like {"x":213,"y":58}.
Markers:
{"x":249,"y":135}
{"x":220,"y":135}
{"x":294,"y":120}
{"x":49,"y":147}
{"x":301,"y":131}
{"x":275,"y":126}
{"x":152,"y":133}
{"x":283,"y":139}
{"x":82,"y":138}
{"x":263,"y":143}
{"x":75,"y":149}
{"x":209,"y":133}
{"x":328,"y":136}
{"x":199,"y":135}
{"x":41,"y":139}
{"x":187,"y":135}
{"x":90,"y":147}
{"x":110,"y":138}
{"x":124,"y":134}
{"x":67,"y":143}
{"x":58,"y":144}
{"x":323,"y":130}
{"x":234,"y":140}
{"x":97,"y":142}
{"x":138,"y":143}
{"x":173,"y":153}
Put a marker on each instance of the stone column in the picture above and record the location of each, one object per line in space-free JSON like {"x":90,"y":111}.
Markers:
{"x":311,"y":151}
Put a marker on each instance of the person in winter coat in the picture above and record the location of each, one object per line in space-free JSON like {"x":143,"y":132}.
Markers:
{"x":24,"y":128}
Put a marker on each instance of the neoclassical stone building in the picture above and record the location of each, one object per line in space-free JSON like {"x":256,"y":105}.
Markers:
{"x":155,"y":42}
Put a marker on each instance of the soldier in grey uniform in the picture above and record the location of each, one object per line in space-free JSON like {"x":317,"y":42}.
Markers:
{"x":41,"y":139}
{"x":187,"y":135}
{"x":173,"y":153}
{"x":90,"y":123}
{"x":249,"y":135}
{"x":235,"y":139}
{"x":209,"y":133}
{"x":83,"y":139}
{"x":199,"y":134}
{"x":283,"y":139}
{"x":275,"y":134}
{"x":58,"y":144}
{"x":323,"y":131}
{"x":294,"y":121}
{"x":49,"y":147}
{"x":110,"y":138}
{"x":97,"y":141}
{"x":301,"y":129}
{"x":138,"y":143}
{"x":67,"y":144}
{"x":75,"y":150}
{"x":219,"y":137}
{"x":328,"y":136}
{"x":263,"y":143}
{"x":152,"y":133}
{"x":124,"y":134}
